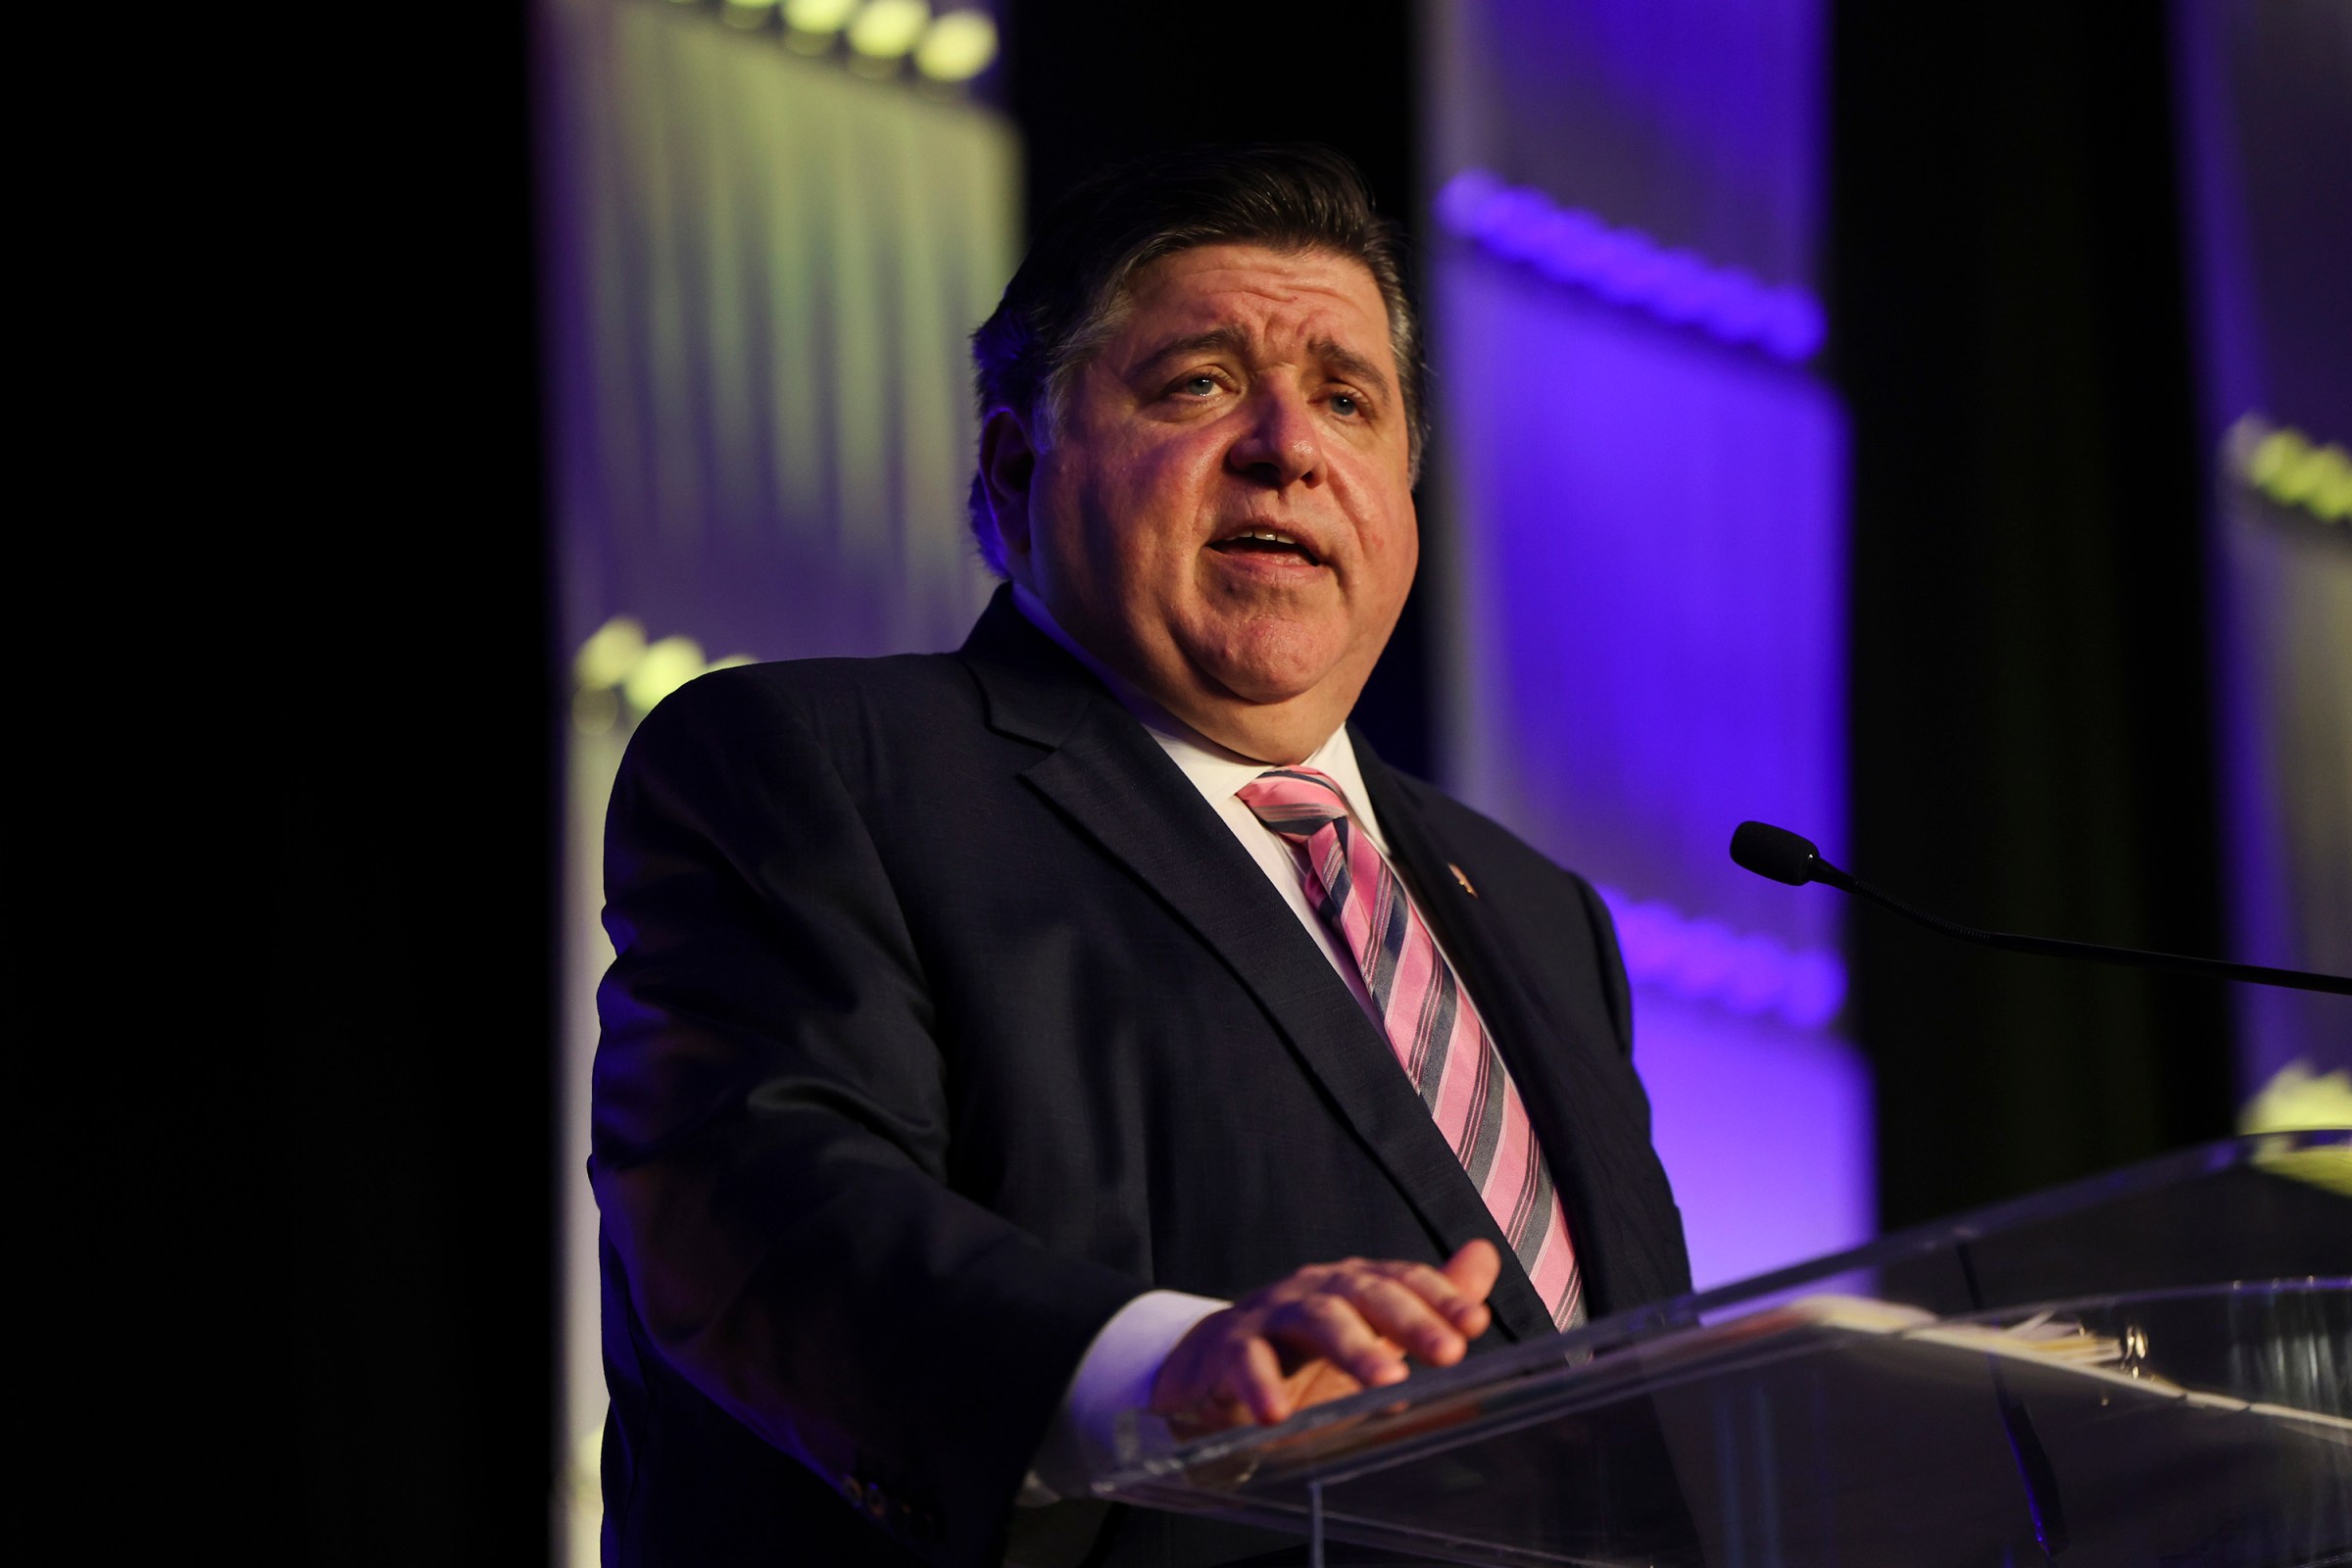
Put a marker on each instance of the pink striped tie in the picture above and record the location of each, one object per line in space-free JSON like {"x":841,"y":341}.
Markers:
{"x":1432,"y":1027}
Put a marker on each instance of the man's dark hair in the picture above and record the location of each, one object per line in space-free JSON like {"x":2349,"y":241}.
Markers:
{"x":1066,"y":298}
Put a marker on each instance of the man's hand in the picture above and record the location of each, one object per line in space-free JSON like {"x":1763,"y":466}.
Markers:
{"x":1324,"y":1331}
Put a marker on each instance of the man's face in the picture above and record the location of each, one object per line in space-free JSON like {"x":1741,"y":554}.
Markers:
{"x":1226,"y":517}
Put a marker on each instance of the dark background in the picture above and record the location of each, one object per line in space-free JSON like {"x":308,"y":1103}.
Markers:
{"x":352,"y":1233}
{"x":2030,"y":737}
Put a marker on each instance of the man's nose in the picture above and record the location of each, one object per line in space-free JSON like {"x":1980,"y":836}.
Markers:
{"x":1278,"y":444}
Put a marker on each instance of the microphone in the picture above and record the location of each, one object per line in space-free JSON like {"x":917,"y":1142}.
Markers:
{"x":1785,"y":856}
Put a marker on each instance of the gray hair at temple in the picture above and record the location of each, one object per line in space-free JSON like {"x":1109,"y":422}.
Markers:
{"x":1071,"y":289}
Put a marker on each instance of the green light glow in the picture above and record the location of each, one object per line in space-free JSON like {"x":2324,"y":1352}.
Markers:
{"x":887,"y":28}
{"x":2288,"y":468}
{"x":957,"y":47}
{"x":817,"y":15}
{"x":666,"y":665}
{"x":2280,"y":451}
{"x":606,"y":659}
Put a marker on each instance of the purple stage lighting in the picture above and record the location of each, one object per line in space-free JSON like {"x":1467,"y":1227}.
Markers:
{"x":1627,"y":267}
{"x":1707,"y":960}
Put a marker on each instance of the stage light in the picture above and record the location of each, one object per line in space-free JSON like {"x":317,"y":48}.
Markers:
{"x":819,"y":19}
{"x":2299,"y":1100}
{"x":1707,"y":960}
{"x":609,"y":654}
{"x":1627,"y":267}
{"x":1815,"y":992}
{"x":957,"y":47}
{"x":2288,"y":468}
{"x":666,"y":665}
{"x":2279,"y":451}
{"x":1793,"y":324}
{"x":2294,"y":473}
{"x":618,"y":675}
{"x":886,"y":30}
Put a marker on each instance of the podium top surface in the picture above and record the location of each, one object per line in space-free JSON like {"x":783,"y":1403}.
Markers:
{"x":2026,"y":1378}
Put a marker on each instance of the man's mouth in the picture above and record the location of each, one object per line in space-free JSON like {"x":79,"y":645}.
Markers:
{"x":1267,"y":541}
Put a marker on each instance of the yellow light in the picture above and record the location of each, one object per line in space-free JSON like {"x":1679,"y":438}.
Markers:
{"x":2291,"y":470}
{"x":887,"y":28}
{"x":2299,"y":1100}
{"x":2331,"y":497}
{"x":957,"y":47}
{"x":2297,"y":482}
{"x":2313,"y":481}
{"x":607,"y":658}
{"x":817,"y":15}
{"x":666,"y":665}
{"x":2279,"y":452}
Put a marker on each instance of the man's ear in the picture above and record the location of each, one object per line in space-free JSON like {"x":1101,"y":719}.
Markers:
{"x":1008,"y":465}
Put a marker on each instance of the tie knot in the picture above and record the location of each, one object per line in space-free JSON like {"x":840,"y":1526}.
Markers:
{"x":1295,"y":802}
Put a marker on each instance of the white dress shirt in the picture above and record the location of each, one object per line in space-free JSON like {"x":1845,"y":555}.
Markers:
{"x":1112,"y":1386}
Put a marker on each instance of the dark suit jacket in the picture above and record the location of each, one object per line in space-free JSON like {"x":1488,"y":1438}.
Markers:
{"x":947,"y":1017}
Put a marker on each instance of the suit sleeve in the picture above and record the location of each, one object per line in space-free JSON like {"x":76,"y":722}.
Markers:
{"x":771,"y":1131}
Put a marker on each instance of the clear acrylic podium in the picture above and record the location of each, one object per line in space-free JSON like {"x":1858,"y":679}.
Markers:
{"x":2152,"y":1367}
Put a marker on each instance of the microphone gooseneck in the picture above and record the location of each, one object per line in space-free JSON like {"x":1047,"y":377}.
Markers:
{"x":1786,"y":857}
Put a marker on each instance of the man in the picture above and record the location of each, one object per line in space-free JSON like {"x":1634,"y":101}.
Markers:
{"x":1085,"y":1027}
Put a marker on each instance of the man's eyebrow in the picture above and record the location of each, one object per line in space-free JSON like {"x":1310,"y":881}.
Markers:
{"x":1229,"y":339}
{"x":1233,"y":340}
{"x":1351,"y":364}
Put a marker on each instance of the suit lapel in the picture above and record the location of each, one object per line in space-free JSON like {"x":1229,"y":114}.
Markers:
{"x":1113,"y":782}
{"x":1552,"y":1067}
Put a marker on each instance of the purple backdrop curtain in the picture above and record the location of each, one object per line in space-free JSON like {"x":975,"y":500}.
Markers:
{"x":1646,"y":493}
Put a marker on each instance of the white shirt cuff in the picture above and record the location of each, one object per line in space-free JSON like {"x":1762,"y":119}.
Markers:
{"x":1112,"y":1389}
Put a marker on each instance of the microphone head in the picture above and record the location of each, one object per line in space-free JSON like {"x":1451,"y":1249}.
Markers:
{"x":1776,"y":852}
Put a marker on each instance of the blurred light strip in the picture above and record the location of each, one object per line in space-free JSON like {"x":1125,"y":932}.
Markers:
{"x":618,"y":666}
{"x":1627,"y":267}
{"x":2290,"y":470}
{"x":1707,"y":960}
{"x":959,"y":47}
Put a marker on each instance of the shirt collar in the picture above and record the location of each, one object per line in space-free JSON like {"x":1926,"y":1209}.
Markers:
{"x":1215,"y":771}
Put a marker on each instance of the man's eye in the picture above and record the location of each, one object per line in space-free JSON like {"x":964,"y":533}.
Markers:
{"x":1345,"y":403}
{"x":1200,"y":386}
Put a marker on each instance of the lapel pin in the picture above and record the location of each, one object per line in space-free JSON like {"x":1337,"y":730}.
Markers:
{"x":1463,"y":880}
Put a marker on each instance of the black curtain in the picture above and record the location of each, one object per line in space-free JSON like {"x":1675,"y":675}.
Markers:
{"x":325,"y":1142}
{"x":413,"y":786}
{"x":2029,"y":728}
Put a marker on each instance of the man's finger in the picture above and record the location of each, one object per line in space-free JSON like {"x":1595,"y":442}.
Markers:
{"x":1261,"y":1382}
{"x":1327,"y":1327}
{"x":1440,"y":1292}
{"x":1405,"y":1315}
{"x":1474,"y":1270}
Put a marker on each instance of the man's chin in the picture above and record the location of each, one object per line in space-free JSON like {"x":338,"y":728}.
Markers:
{"x":1269,"y":660}
{"x":1257,"y":685}
{"x":1276,"y":716}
